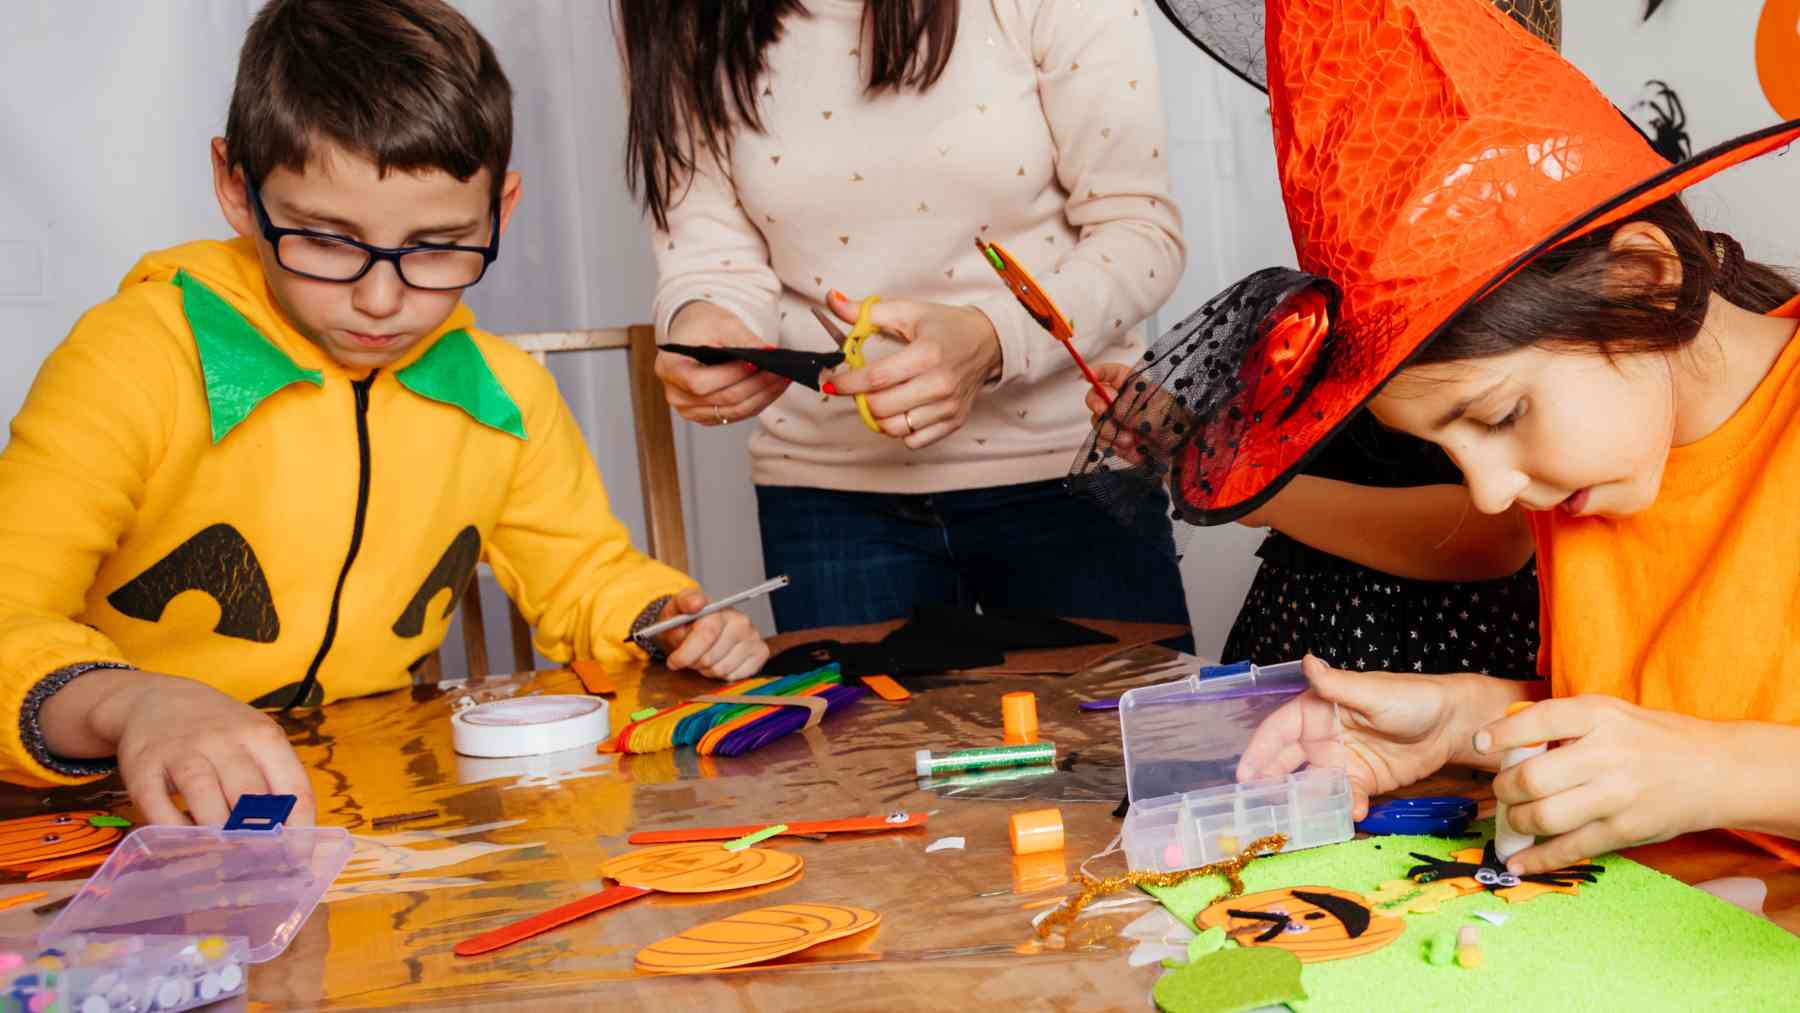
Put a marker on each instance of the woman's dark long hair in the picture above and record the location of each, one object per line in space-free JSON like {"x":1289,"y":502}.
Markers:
{"x":1587,"y":295}
{"x":693,"y":67}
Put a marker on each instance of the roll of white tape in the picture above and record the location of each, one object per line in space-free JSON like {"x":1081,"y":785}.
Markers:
{"x":530,"y":725}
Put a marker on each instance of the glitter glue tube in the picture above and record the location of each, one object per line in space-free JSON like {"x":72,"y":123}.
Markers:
{"x":984,"y":759}
{"x":1507,"y":841}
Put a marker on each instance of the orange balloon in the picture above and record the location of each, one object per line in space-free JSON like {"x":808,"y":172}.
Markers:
{"x":699,"y":867}
{"x":753,"y":937}
{"x":1778,"y":56}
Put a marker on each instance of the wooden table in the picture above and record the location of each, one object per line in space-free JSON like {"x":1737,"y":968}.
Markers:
{"x":517,"y":837}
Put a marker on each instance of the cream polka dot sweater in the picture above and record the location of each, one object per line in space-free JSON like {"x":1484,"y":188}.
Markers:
{"x":1044,"y":134}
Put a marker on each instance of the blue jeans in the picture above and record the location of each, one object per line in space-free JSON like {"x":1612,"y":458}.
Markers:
{"x":861,"y":557}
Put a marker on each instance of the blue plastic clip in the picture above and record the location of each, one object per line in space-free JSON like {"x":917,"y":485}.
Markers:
{"x":260,"y":812}
{"x":1221,"y":671}
{"x":1435,"y":815}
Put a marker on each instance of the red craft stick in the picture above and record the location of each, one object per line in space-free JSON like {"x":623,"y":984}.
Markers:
{"x":865,"y":824}
{"x":506,"y":935}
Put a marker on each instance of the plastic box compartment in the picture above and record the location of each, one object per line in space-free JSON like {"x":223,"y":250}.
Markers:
{"x":121,"y":974}
{"x":1182,"y":742}
{"x":174,"y":917}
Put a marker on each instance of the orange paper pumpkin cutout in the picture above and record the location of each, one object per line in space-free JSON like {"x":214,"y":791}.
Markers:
{"x":33,"y":839}
{"x":1314,"y":923}
{"x":699,"y":868}
{"x":753,"y":937}
{"x":1778,"y":55}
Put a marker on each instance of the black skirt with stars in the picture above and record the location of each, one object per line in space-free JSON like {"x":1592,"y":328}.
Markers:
{"x":1373,"y":622}
{"x":1306,"y":601}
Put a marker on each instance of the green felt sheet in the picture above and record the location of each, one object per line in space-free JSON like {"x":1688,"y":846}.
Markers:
{"x":1637,"y":940}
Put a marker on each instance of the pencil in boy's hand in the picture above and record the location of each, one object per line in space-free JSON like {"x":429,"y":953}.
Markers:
{"x":658,"y":629}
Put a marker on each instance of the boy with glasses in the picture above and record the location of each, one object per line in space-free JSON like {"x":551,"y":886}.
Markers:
{"x":267,"y":467}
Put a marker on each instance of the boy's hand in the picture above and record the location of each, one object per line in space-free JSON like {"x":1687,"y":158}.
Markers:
{"x":714,"y":395}
{"x":924,"y":392}
{"x":175,"y":734}
{"x":1386,"y":730}
{"x":1623,"y":775}
{"x":723,"y":645}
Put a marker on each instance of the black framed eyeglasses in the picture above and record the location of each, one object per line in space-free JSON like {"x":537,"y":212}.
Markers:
{"x":321,"y":256}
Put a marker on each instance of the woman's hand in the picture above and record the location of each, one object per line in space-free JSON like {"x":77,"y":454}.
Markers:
{"x":1387,"y":731}
{"x":923,"y":392}
{"x":724,"y":645}
{"x":175,"y":734}
{"x":714,"y":395}
{"x":1623,"y":775}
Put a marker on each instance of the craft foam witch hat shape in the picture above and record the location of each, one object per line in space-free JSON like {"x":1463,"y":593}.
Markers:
{"x":1427,"y":150}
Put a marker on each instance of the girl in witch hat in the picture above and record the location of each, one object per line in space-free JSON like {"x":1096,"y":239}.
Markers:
{"x":1494,"y":260}
{"x":1375,"y":558}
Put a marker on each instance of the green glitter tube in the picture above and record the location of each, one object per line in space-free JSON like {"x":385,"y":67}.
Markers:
{"x":984,"y":759}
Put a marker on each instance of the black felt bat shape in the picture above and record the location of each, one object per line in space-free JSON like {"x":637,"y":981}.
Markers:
{"x":801,"y":367}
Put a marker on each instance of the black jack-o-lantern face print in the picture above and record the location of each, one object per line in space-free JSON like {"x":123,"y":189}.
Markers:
{"x":218,"y":562}
{"x":1314,"y":923}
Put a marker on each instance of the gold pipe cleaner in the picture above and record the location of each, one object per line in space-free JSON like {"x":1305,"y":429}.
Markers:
{"x":1093,"y":889}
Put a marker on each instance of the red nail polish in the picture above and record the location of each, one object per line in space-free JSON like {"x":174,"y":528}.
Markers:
{"x":829,"y":389}
{"x":835,"y":294}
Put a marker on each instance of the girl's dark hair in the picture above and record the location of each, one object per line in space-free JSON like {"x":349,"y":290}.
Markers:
{"x":1586,"y":295}
{"x":693,"y":67}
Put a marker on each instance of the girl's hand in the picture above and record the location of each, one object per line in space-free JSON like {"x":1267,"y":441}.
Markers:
{"x":175,"y":734}
{"x":724,"y":645}
{"x":923,"y":392}
{"x":1387,"y":731}
{"x":714,"y":395}
{"x":1112,"y":376}
{"x":1623,"y":775}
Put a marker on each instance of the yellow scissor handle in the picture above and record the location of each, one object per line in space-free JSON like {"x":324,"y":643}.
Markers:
{"x":853,"y":356}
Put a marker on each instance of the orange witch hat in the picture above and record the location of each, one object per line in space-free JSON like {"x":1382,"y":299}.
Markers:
{"x":1428,"y":149}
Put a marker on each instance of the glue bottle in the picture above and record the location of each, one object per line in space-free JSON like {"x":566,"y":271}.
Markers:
{"x":1507,"y":841}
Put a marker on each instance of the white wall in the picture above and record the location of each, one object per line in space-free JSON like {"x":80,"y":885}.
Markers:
{"x":104,"y":123}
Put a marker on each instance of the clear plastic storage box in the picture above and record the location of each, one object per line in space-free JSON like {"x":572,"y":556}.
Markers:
{"x":173,"y":919}
{"x":1182,"y":743}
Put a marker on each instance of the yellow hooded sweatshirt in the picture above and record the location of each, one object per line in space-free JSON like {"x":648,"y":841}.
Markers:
{"x":194,"y":488}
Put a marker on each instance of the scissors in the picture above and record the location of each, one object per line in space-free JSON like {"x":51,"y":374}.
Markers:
{"x":852,"y":345}
{"x":1037,"y":303}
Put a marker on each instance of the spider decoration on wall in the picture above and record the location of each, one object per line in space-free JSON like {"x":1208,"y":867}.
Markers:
{"x":1667,"y":121}
{"x":1472,"y":870}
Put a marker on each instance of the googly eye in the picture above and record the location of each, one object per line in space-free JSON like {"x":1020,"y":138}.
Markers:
{"x":52,"y":838}
{"x":1295,"y":927}
{"x":1486,"y":877}
{"x":1509,"y":879}
{"x":896,"y":817}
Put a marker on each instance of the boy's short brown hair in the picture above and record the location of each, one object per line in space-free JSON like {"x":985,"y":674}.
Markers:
{"x":407,"y":84}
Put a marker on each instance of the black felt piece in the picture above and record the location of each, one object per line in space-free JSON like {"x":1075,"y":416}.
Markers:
{"x":1124,"y":807}
{"x":999,"y":629}
{"x":1278,"y":926}
{"x":801,"y":367}
{"x":897,"y":660}
{"x":1354,"y":916}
